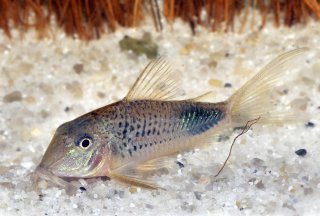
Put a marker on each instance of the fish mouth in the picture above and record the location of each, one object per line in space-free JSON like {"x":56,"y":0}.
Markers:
{"x":48,"y":175}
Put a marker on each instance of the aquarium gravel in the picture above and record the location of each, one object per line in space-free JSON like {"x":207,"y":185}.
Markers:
{"x":273,"y":170}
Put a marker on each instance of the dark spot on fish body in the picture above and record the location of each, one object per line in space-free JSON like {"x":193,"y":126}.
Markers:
{"x":130,"y":152}
{"x":138,"y":134}
{"x":114,"y":149}
{"x":144,"y":127}
{"x":124,"y":133}
{"x":131,"y":128}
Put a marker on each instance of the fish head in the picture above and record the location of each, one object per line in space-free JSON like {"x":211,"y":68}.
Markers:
{"x":79,"y":148}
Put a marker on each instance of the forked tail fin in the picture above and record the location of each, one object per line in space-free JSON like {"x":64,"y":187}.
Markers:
{"x":253,"y":100}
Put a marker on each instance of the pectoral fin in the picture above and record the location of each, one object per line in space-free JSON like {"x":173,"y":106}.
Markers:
{"x":130,"y":175}
{"x":155,"y":164}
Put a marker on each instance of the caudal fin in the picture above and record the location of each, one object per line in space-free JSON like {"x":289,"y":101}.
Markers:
{"x":253,"y":100}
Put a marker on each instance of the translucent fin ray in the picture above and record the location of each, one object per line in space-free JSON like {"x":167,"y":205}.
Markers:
{"x":155,"y":164}
{"x":157,"y":81}
{"x":206,"y":97}
{"x":254,"y":98}
{"x":128,"y":174}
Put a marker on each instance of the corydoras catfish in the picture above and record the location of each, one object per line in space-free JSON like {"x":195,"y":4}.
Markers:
{"x":131,"y":137}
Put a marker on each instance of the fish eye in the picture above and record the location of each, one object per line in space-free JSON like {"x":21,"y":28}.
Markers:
{"x":85,"y":143}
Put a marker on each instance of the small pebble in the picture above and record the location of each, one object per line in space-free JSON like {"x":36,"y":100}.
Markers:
{"x":227,"y":85}
{"x":300,"y":104}
{"x":301,"y":152}
{"x":78,"y":68}
{"x":149,"y":206}
{"x":101,"y":94}
{"x":260,"y":185}
{"x":215,"y":83}
{"x":133,"y":189}
{"x":257,"y":161}
{"x":12,"y":97}
{"x":198,"y":195}
{"x":307,"y":191}
{"x":181,"y":165}
{"x":310,"y":125}
{"x":75,"y":89}
{"x":35,"y":132}
{"x":44,"y":113}
{"x":132,"y":205}
{"x":82,"y":188}
{"x":67,"y":109}
{"x":213,"y":64}
{"x":285,"y":91}
{"x":40,"y":197}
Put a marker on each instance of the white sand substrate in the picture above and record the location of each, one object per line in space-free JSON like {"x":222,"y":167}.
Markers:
{"x":44,"y":83}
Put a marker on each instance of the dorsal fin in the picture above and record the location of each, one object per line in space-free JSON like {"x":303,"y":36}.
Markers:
{"x":157,"y":81}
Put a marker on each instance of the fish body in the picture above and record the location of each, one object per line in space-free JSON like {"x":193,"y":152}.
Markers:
{"x":128,"y":138}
